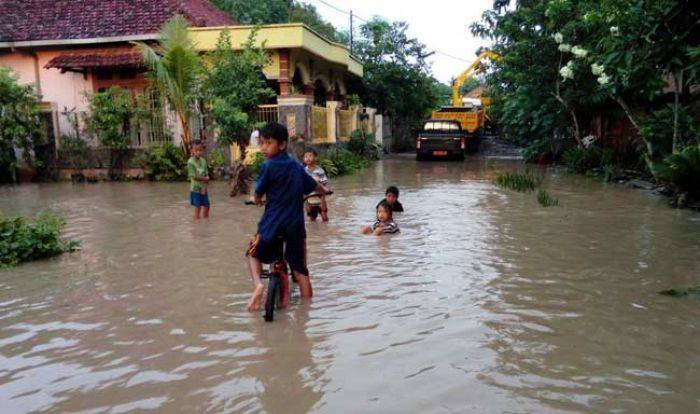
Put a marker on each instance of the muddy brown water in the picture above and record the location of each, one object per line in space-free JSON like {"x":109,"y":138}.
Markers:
{"x":485,"y":302}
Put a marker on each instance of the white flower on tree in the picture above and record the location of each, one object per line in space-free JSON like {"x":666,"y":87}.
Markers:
{"x":603,"y":79}
{"x":614,"y":30}
{"x":564,"y":47}
{"x":579,"y":52}
{"x":558,"y":37}
{"x":597,"y":69}
{"x":567,"y":72}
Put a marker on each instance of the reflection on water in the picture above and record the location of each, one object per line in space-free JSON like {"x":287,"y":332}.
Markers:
{"x":485,"y":302}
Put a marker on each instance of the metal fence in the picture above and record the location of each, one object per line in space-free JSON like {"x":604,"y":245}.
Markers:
{"x":267,"y":113}
{"x":319,"y":125}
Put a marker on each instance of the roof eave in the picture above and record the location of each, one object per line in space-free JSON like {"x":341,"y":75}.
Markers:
{"x":73,"y":42}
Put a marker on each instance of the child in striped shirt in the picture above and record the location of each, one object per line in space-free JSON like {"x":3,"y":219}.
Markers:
{"x":385,"y":223}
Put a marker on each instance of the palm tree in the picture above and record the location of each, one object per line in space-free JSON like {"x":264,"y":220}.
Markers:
{"x":175,"y":69}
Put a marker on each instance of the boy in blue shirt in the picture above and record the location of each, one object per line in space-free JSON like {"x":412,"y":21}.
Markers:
{"x":281,"y":230}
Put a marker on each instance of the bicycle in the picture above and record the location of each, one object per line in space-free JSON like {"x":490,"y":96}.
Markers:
{"x":278,"y":287}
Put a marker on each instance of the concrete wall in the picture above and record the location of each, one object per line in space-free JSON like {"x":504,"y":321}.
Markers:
{"x":64,"y":90}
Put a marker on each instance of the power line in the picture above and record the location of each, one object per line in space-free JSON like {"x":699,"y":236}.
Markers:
{"x":355,"y":16}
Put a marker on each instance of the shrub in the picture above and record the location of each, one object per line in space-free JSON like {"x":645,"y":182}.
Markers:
{"x":345,"y":162}
{"x":257,"y":163}
{"x":23,"y":240}
{"x":539,"y":148}
{"x":582,"y":160}
{"x":164,"y":163}
{"x":217,"y":158}
{"x":545,"y":199}
{"x":522,"y":182}
{"x":74,"y":151}
{"x":683,"y":171}
{"x":363,"y":144}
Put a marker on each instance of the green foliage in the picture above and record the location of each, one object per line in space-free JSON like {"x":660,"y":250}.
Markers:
{"x":397,"y":79}
{"x":73,"y":151}
{"x":217,"y":158}
{"x":328,"y":166}
{"x":683,"y":171}
{"x":363,"y":144}
{"x":23,"y":240}
{"x":258,"y":161}
{"x":255,"y":11}
{"x":175,"y":70}
{"x":110,"y":117}
{"x":543,"y":147}
{"x":280,"y":11}
{"x":19,"y":123}
{"x":353,"y":100}
{"x":657,"y":128}
{"x":521,"y":182}
{"x":164,"y":163}
{"x":545,"y":199}
{"x":565,"y":62}
{"x":234,"y":87}
{"x":340,"y":161}
{"x":681,"y":292}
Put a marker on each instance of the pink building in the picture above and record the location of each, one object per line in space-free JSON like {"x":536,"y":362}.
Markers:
{"x":70,"y":48}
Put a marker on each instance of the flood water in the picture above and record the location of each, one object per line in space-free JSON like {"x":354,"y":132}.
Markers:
{"x":485,"y":302}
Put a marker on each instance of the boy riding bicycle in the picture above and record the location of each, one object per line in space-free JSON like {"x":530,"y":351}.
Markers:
{"x":281,"y":230}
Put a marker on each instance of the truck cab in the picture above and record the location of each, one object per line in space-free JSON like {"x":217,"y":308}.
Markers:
{"x":441,"y":139}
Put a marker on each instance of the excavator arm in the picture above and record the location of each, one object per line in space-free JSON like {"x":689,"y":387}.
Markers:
{"x":464,"y":76}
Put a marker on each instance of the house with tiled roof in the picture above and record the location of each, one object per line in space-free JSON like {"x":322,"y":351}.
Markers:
{"x":70,"y":48}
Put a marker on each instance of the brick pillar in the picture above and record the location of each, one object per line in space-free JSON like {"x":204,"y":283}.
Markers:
{"x":295,"y":114}
{"x":285,"y":80}
{"x":332,"y":120}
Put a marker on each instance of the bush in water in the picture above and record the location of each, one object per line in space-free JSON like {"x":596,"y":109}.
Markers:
{"x":23,"y":240}
{"x":165,"y":162}
{"x":545,"y":199}
{"x":522,"y":182}
{"x":682,"y":170}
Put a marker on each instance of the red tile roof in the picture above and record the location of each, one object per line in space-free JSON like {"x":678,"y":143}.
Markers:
{"x":26,"y":20}
{"x":94,"y":59}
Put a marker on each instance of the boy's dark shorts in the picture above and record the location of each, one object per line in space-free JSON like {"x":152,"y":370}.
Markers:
{"x":199,"y":200}
{"x":292,"y":249}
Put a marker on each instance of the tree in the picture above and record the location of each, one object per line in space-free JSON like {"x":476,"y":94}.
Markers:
{"x":233,"y":88}
{"x":566,"y":61}
{"x":255,"y":11}
{"x":280,"y":11}
{"x":20,"y":127}
{"x":175,"y":71}
{"x":397,"y":80}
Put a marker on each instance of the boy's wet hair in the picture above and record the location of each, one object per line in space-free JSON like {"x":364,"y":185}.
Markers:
{"x":311,"y":150}
{"x":197,"y":143}
{"x":276,"y":131}
{"x":392,"y":190}
{"x":385,"y":205}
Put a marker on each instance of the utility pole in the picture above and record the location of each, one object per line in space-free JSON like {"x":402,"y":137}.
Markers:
{"x":350,"y":31}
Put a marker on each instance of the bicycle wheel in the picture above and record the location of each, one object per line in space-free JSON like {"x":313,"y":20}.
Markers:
{"x":273,"y":289}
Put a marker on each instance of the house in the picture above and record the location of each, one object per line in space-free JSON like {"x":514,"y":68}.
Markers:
{"x":69,"y":49}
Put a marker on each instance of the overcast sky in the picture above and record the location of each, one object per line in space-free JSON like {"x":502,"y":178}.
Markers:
{"x":442,"y":25}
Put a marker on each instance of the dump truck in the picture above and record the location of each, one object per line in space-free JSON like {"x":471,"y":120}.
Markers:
{"x":471,"y":116}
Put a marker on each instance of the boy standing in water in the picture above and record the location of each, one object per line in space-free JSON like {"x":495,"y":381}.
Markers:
{"x":281,"y":230}
{"x":198,"y":173}
{"x":315,"y":203}
{"x":392,"y":199}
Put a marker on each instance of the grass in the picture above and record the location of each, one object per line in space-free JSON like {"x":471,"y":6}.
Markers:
{"x":545,"y":199}
{"x":521,"y":182}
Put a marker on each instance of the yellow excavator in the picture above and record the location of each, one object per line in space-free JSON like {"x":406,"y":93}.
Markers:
{"x":472,"y":118}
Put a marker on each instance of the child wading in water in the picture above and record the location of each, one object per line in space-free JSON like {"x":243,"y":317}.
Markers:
{"x":198,"y":173}
{"x":385,"y":222}
{"x":281,"y":231}
{"x":315,"y":203}
{"x":392,"y":198}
